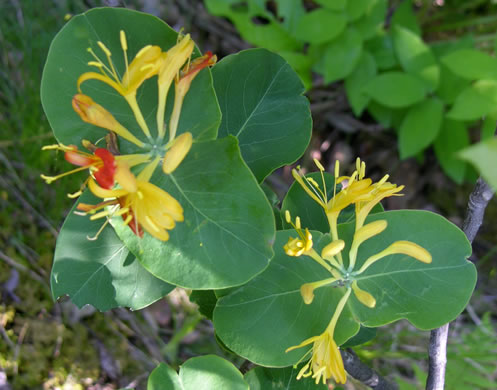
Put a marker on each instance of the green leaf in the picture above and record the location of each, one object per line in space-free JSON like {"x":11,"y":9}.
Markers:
{"x":320,"y":26}
{"x":271,"y":35}
{"x":483,"y":156}
{"x":336,"y":5}
{"x":302,"y":64}
{"x":381,"y":47}
{"x":290,"y":12}
{"x":262,"y":378}
{"x":354,"y":83}
{"x":396,"y":89}
{"x":226,"y":236}
{"x":450,"y":85}
{"x":341,"y":55}
{"x":204,"y":372}
{"x":405,"y":17}
{"x":356,"y":8}
{"x":471,"y":64}
{"x":386,"y":116}
{"x":67,"y":60}
{"x":416,"y":57}
{"x":363,"y":336}
{"x":420,"y":127}
{"x":206,"y":301}
{"x":452,"y":138}
{"x":475,"y":101}
{"x":264,"y":317}
{"x":488,"y":127}
{"x":101,"y":273}
{"x":371,"y":23}
{"x":262,"y":104}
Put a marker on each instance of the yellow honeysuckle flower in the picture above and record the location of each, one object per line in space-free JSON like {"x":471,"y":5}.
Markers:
{"x":182,"y":85}
{"x":95,"y":114}
{"x":170,"y":64}
{"x":141,"y":203}
{"x":178,"y":151}
{"x":301,"y":245}
{"x":326,"y":361}
{"x":307,"y":289}
{"x":145,"y":65}
{"x":363,"y":296}
{"x":364,"y":233}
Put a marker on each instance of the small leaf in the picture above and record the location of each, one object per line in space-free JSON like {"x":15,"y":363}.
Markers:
{"x":206,"y":301}
{"x":100,"y":273}
{"x":372,"y":21}
{"x":262,"y":378}
{"x":450,"y":85}
{"x":483,"y":156}
{"x":452,"y":138}
{"x":488,"y":127}
{"x":228,"y":230}
{"x":336,"y":5}
{"x":475,"y":101}
{"x":354,"y":83}
{"x":471,"y":64}
{"x":405,"y":17}
{"x":396,"y":89}
{"x":341,"y":55}
{"x":356,"y":8}
{"x":320,"y":26}
{"x":381,"y":47}
{"x":164,"y":377}
{"x":420,"y":127}
{"x":262,"y":104}
{"x":416,"y":57}
{"x":364,"y":335}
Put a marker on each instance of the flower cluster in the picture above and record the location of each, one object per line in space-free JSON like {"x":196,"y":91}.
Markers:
{"x":326,"y":361}
{"x":142,"y":205}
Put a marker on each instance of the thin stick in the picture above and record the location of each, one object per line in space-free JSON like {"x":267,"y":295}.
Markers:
{"x":358,"y":370}
{"x":437,"y":349}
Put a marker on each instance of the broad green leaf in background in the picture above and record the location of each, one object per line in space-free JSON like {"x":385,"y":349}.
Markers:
{"x":356,"y":8}
{"x":301,"y":63}
{"x":228,"y":231}
{"x":336,"y":5}
{"x":373,"y":19}
{"x":267,"y":315}
{"x":381,"y":47}
{"x":206,"y":301}
{"x":364,"y":71}
{"x":488,"y":126}
{"x":67,"y":60}
{"x":341,"y":55}
{"x":396,"y":89}
{"x":483,"y":156}
{"x":420,"y":127}
{"x":452,"y":138}
{"x":416,"y":57}
{"x":262,"y":378}
{"x":320,"y":26}
{"x":271,"y":34}
{"x":450,"y":85}
{"x":475,"y":101}
{"x":386,"y":116}
{"x":405,"y":17}
{"x":262,"y":104}
{"x":101,"y":273}
{"x":290,"y":11}
{"x":364,"y":335}
{"x":207,"y":372}
{"x":264,"y":317}
{"x":471,"y":64}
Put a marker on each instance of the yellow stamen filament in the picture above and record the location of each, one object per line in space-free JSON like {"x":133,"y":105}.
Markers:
{"x":363,"y":296}
{"x":399,"y":247}
{"x":363,"y":234}
{"x":319,"y":165}
{"x":51,"y":179}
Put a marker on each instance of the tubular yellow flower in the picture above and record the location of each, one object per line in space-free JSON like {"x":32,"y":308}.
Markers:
{"x":142,"y":204}
{"x":399,"y":247}
{"x":365,"y":233}
{"x":95,"y":114}
{"x":326,"y":361}
{"x":144,"y":65}
{"x":170,"y":64}
{"x":307,"y":289}
{"x":363,"y":296}
{"x":179,"y":149}
{"x":331,"y":250}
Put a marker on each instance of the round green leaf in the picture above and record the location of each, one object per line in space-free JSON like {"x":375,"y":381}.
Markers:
{"x":483,"y":156}
{"x":320,"y":25}
{"x":416,"y":57}
{"x":263,"y":378}
{"x":354,"y":83}
{"x":396,"y":89}
{"x":427,"y":295}
{"x":264,"y":317}
{"x":471,"y":64}
{"x":262,"y":105}
{"x":341,"y":55}
{"x":101,"y":273}
{"x":228,"y":230}
{"x":68,"y":58}
{"x":207,"y":372}
{"x":453,"y":137}
{"x":420,"y":127}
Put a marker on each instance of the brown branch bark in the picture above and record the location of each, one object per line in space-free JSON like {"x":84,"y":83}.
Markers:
{"x":437,"y":349}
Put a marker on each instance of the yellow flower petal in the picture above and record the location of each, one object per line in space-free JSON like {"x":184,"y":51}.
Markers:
{"x":177,"y":153}
{"x":363,"y":296}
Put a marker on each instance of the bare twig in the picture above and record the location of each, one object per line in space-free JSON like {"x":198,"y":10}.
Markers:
{"x":358,"y":370}
{"x":437,"y":350}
